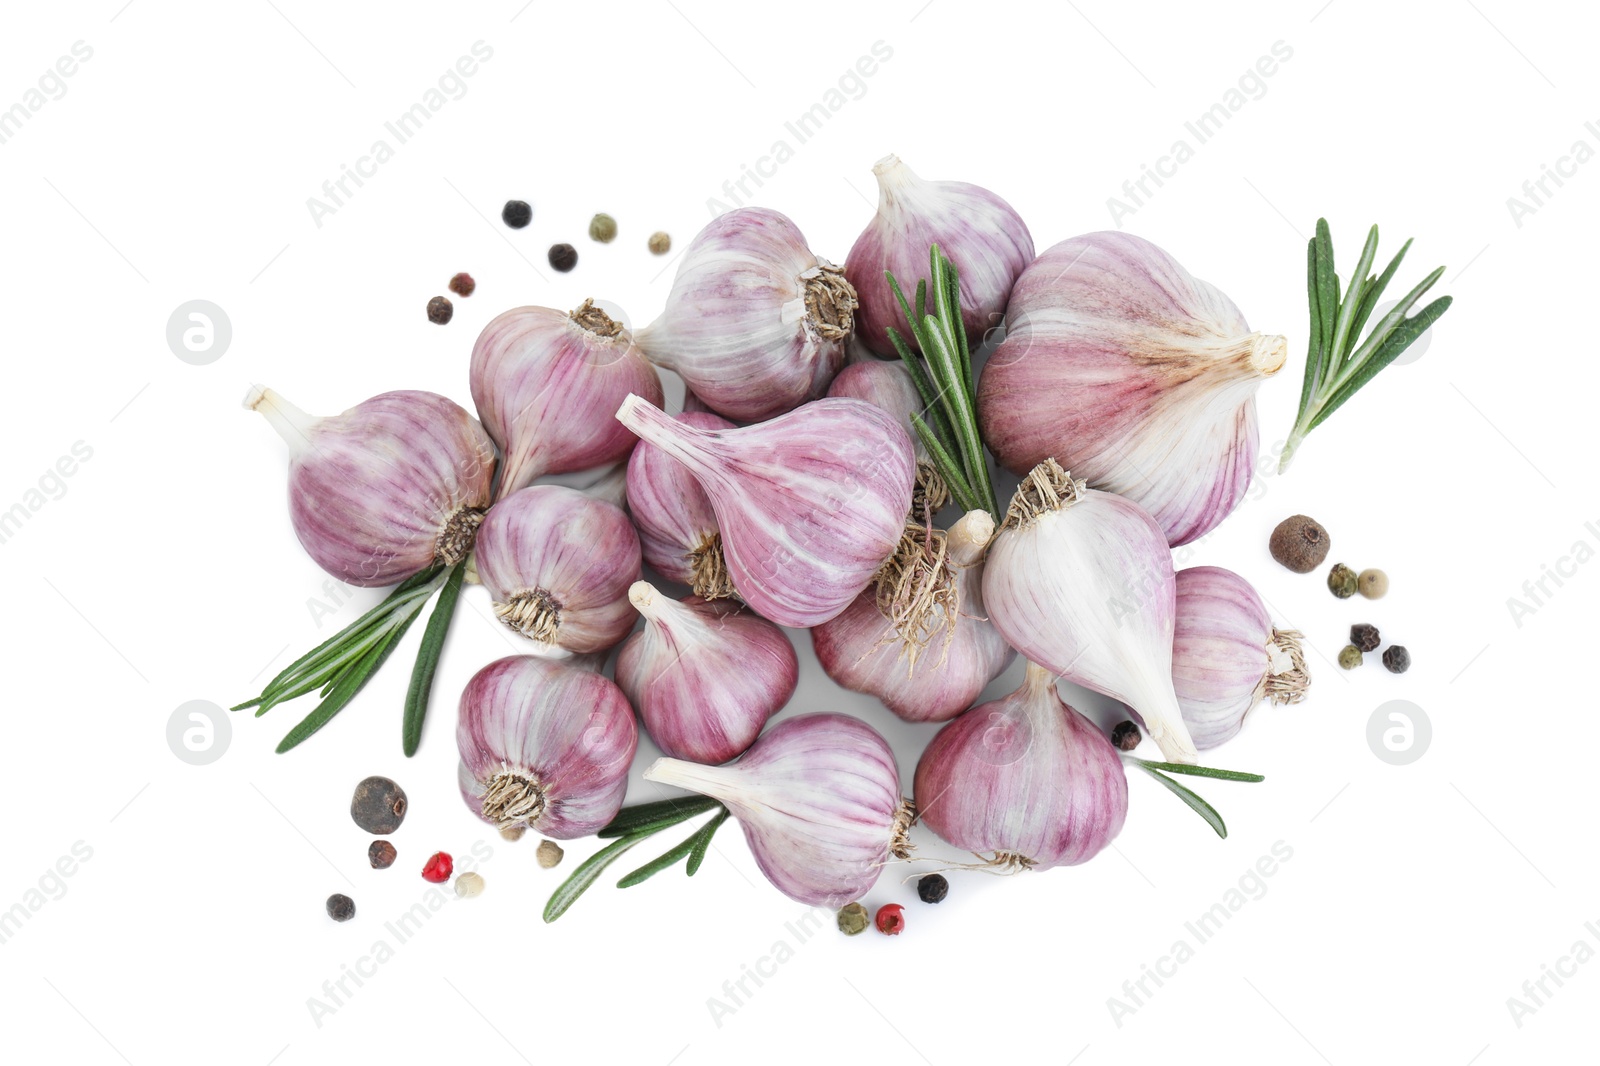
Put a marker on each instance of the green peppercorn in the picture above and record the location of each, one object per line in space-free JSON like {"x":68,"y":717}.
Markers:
{"x":1365,"y":637}
{"x":602,"y":228}
{"x":660,"y":242}
{"x":853,"y":919}
{"x":1342,"y":581}
{"x":933,"y":888}
{"x":1350,"y":657}
{"x":1396,"y":659}
{"x":563,"y":257}
{"x":1126,"y":736}
{"x":1374,"y":583}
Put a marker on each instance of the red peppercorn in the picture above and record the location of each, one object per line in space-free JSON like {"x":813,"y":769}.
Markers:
{"x":439,"y":868}
{"x":890,"y":919}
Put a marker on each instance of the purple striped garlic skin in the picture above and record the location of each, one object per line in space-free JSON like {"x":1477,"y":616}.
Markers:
{"x":1226,"y":655}
{"x":558,"y":564}
{"x":544,"y":745}
{"x":887,"y":384}
{"x":704,"y":675}
{"x":1024,"y":779}
{"x":544,"y":382}
{"x":818,"y":797}
{"x":978,"y":231}
{"x":755,"y":324}
{"x":677,"y":525}
{"x":1134,"y":375}
{"x":810,"y":504}
{"x":386,"y":489}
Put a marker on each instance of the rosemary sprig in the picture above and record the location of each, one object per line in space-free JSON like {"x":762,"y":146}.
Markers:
{"x":1183,"y":792}
{"x":1336,"y":366}
{"x":631,"y":826}
{"x":948,"y":424}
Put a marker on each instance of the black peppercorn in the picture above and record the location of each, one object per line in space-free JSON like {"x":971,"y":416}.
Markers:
{"x":1396,"y":659}
{"x":341,"y":908}
{"x":378,"y":806}
{"x":463,"y":285}
{"x":516,"y":213}
{"x":563,"y":257}
{"x":1299,"y":543}
{"x":440,"y":310}
{"x":1365,"y":637}
{"x":381,"y":854}
{"x":933,"y":888}
{"x":1126,"y":736}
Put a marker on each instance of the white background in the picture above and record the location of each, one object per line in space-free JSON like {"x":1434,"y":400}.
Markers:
{"x":177,"y":166}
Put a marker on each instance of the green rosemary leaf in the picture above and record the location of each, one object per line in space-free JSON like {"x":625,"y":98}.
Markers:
{"x":1352,"y":300}
{"x":1315,"y":350}
{"x":349,"y":683}
{"x":1374,"y":291}
{"x":655,"y":866}
{"x":328,"y":673}
{"x":1201,"y":771}
{"x":1388,"y":324}
{"x":702,"y":841}
{"x":1398,"y":341}
{"x":433,"y":638}
{"x":1198,"y":805}
{"x":1327,"y":295}
{"x":922,"y":301}
{"x":587,"y":873}
{"x":647,"y":818}
{"x":955,"y":478}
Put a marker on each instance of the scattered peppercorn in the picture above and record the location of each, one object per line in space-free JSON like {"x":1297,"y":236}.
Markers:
{"x":1365,"y":637}
{"x":513,"y":833}
{"x":563,"y":257}
{"x":933,"y":888}
{"x":1374,"y":583}
{"x":1396,"y":659}
{"x":660,"y":242}
{"x":1350,"y":657}
{"x":463,"y":285}
{"x":440,"y":310}
{"x":1299,"y":543}
{"x":549,"y":854}
{"x":1342,"y":581}
{"x":516,"y":213}
{"x":1126,"y":736}
{"x":378,"y":806}
{"x":891,"y":919}
{"x":602,"y":228}
{"x":381,"y":854}
{"x":852,"y":919}
{"x":341,"y":908}
{"x":469,"y":884}
{"x":439,"y":868}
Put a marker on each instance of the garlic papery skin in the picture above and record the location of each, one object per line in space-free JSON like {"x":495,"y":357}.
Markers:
{"x":704,"y":675}
{"x":392,"y":486}
{"x":819,"y":799}
{"x":888,"y":385}
{"x":1134,"y":375}
{"x":544,"y":382}
{"x":545,"y":746}
{"x":755,"y":323}
{"x":980,"y":233}
{"x":677,"y":526}
{"x":809,"y":504}
{"x":1226,"y":655}
{"x":558,"y":564}
{"x":862,"y":650}
{"x":1025,"y":780}
{"x":1081,"y":582}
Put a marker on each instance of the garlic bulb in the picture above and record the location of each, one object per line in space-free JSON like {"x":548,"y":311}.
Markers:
{"x":809,"y":504}
{"x":558,"y":564}
{"x":1025,"y":780}
{"x":704,"y":676}
{"x":392,"y":486}
{"x":862,"y":650}
{"x":819,"y":799}
{"x":755,"y":323}
{"x":544,"y":746}
{"x":888,"y":385}
{"x":980,"y":233}
{"x":1158,"y":370}
{"x":544,"y":382}
{"x":1226,"y":655}
{"x":677,"y":526}
{"x":1081,"y":583}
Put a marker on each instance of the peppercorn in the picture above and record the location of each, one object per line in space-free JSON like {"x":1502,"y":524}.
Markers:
{"x":1126,"y":736}
{"x":1342,"y":581}
{"x":602,"y":228}
{"x":463,"y":285}
{"x":933,"y":888}
{"x":891,"y":919}
{"x":440,"y":310}
{"x":1299,"y":543}
{"x":513,"y":833}
{"x":469,"y":884}
{"x":563,"y":257}
{"x":381,"y":854}
{"x":660,"y":242}
{"x":1374,"y":583}
{"x":378,"y":806}
{"x":1396,"y":659}
{"x":516,"y":213}
{"x":1350,"y":657}
{"x":341,"y":908}
{"x":438,"y":868}
{"x":549,"y":854}
{"x":1365,"y":637}
{"x":852,"y":919}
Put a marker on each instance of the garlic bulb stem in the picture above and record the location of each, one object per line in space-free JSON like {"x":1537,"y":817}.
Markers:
{"x":292,"y":424}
